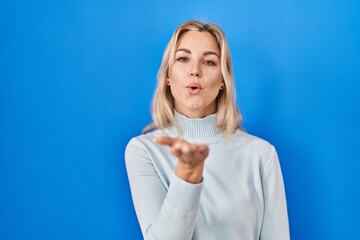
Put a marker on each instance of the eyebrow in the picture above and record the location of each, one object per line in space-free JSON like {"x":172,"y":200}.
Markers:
{"x":206,"y":53}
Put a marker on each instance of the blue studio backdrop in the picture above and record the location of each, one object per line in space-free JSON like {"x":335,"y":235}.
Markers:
{"x":76,"y":82}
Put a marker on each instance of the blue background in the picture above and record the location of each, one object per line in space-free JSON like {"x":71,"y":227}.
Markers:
{"x":77,"y":78}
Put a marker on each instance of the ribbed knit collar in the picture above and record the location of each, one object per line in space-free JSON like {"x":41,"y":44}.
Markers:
{"x":197,"y":130}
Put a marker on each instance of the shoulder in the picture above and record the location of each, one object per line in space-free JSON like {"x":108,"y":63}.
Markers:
{"x":143,"y":141}
{"x":246,"y":140}
{"x":254,"y":148}
{"x":137,"y":150}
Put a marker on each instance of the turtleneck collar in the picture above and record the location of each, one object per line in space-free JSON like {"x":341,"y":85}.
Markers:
{"x":197,"y":130}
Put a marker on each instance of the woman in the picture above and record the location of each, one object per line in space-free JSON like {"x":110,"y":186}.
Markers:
{"x":198,"y":175}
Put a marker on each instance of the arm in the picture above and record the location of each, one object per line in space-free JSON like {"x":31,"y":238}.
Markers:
{"x":275,"y":223}
{"x":162,"y":214}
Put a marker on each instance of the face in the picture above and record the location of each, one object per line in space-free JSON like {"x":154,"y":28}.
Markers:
{"x":195,"y":78}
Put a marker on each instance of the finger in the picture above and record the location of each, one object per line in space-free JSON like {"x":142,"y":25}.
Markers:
{"x":165,"y":140}
{"x":176,"y":149}
{"x":192,"y":148}
{"x":186,"y":148}
{"x":203,"y":149}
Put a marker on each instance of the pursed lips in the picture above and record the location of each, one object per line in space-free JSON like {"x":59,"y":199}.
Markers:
{"x":194,"y":88}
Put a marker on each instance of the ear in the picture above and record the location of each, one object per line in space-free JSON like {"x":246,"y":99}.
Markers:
{"x":222,"y":85}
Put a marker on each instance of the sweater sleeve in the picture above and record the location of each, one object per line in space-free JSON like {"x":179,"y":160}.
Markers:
{"x":163,"y":214}
{"x":275,"y":223}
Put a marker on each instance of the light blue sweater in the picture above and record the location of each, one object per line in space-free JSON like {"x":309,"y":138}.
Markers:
{"x":241,"y":197}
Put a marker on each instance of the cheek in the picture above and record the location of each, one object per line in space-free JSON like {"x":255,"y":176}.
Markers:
{"x":216,"y":79}
{"x":176,"y":71}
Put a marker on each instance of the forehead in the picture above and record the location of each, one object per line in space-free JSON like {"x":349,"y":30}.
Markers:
{"x":198,"y":41}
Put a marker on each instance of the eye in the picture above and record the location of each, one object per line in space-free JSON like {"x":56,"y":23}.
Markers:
{"x":182,"y":59}
{"x":209,"y":62}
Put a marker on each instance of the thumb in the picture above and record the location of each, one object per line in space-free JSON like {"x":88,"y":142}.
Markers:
{"x":165,"y":140}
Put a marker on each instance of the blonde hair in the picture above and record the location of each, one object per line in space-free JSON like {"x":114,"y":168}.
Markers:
{"x":228,"y":115}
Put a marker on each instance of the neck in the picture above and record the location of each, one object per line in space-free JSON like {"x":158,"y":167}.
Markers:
{"x":196,"y":130}
{"x":196,"y":113}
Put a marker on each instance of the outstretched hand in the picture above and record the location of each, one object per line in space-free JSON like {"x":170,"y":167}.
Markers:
{"x":189,"y":153}
{"x":191,"y":157}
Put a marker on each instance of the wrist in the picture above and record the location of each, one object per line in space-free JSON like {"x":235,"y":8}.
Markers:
{"x":191,"y":174}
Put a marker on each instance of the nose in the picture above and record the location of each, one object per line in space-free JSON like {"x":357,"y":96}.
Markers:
{"x":195,"y":74}
{"x":195,"y":71}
